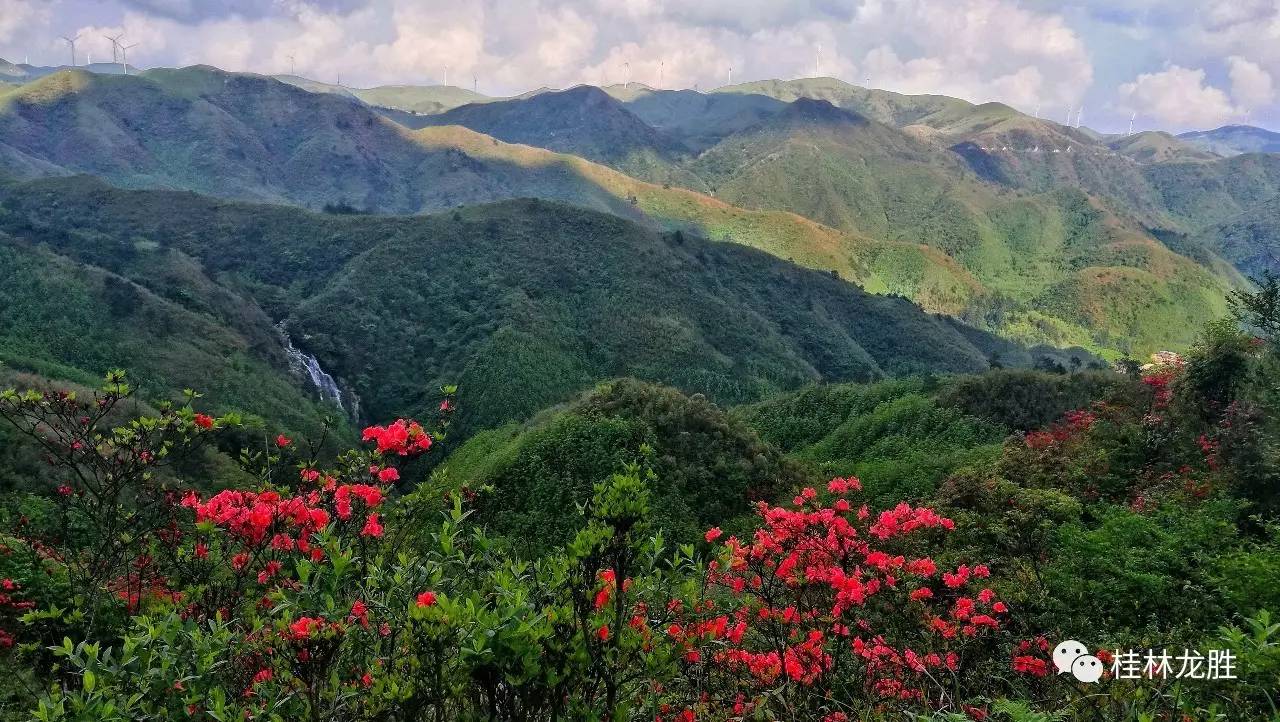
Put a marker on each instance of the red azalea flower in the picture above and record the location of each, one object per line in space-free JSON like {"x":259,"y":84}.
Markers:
{"x":372,"y":528}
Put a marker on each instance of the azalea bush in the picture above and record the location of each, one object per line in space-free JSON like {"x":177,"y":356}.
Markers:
{"x":325,"y":593}
{"x":830,"y":610}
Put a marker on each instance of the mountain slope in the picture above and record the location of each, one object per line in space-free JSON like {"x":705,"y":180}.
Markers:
{"x":524,"y":303}
{"x":67,"y":315}
{"x":709,"y":467}
{"x":1045,"y":262}
{"x":1249,"y":239}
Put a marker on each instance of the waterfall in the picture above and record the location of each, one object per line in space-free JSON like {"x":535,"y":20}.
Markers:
{"x":304,"y":363}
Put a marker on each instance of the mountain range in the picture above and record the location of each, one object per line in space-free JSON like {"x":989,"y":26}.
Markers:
{"x":1016,"y":225}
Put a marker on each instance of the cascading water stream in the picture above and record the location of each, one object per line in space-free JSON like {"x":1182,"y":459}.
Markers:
{"x":307,"y":364}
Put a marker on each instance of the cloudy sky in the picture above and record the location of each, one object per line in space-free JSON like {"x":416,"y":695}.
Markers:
{"x":1179,"y":64}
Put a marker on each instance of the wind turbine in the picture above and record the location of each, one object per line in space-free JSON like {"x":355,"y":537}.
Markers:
{"x":817,"y":62}
{"x":446,"y":75}
{"x":1037,"y":110}
{"x":730,"y":75}
{"x":115,"y":46}
{"x":124,"y":56}
{"x":1079,"y":116}
{"x":1131,"y":119}
{"x":626,"y":75}
{"x":293,"y":66}
{"x":475,"y":84}
{"x":72,"y":43}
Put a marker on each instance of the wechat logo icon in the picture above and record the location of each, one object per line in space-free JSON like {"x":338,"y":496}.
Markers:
{"x":1072,"y":656}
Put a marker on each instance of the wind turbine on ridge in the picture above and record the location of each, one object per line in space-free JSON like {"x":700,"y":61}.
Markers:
{"x":115,"y":46}
{"x":72,"y":43}
{"x":124,"y":56}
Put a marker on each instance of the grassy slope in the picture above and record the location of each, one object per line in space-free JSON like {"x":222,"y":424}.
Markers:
{"x":1153,"y":146}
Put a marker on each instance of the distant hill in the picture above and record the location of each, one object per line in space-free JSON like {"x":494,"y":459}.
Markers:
{"x":1234,"y":139}
{"x":523,"y":303}
{"x":1153,"y":146}
{"x":698,"y":120}
{"x":584,"y":121}
{"x":411,"y":99}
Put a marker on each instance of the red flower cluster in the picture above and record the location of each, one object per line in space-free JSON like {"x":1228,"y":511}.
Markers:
{"x":249,"y":516}
{"x":1160,"y":381}
{"x":1031,"y":657}
{"x":11,"y":604}
{"x":402,"y":438}
{"x":1073,"y":425}
{"x":802,"y":588}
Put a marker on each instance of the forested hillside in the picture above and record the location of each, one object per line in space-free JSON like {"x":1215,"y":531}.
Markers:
{"x":523,"y":303}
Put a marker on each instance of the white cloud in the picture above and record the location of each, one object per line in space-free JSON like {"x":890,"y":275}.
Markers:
{"x":18,"y":15}
{"x":976,"y":49}
{"x":1250,"y":85}
{"x":1178,"y":96}
{"x":1049,"y":53}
